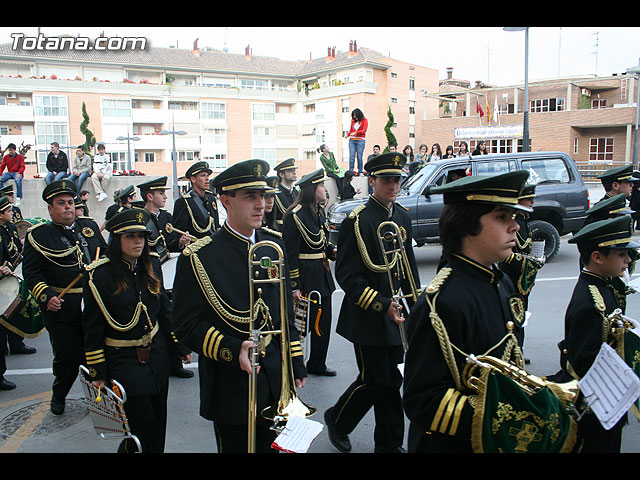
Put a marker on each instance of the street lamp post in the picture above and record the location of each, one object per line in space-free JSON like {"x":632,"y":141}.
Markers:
{"x":173,"y":133}
{"x":636,"y":70}
{"x":525,"y":126}
{"x":128,"y":139}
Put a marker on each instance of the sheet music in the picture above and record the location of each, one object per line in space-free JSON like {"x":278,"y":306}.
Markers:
{"x":297,"y":435}
{"x":610,"y":387}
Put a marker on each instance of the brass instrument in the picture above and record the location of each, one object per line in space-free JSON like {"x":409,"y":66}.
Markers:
{"x":397,"y":265}
{"x":169,"y":228}
{"x":567,"y":392}
{"x":302,"y":320}
{"x":289,"y":402}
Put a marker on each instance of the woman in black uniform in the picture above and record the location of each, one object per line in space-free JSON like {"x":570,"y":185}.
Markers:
{"x":128,"y":335}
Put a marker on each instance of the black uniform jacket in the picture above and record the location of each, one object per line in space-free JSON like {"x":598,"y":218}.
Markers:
{"x":54,"y":256}
{"x":360,"y":271}
{"x":160,"y":240}
{"x":284,"y":198}
{"x":585,"y":328}
{"x":305,"y":233}
{"x":11,"y":244}
{"x":195,"y":214}
{"x":211,"y":316}
{"x":473,"y":303}
{"x":114,"y":326}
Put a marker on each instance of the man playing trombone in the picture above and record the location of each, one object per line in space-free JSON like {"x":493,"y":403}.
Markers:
{"x":371,"y":316}
{"x":211,"y":300}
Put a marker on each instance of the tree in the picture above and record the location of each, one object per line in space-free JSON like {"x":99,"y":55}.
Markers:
{"x":391,"y":138}
{"x":90,"y":139}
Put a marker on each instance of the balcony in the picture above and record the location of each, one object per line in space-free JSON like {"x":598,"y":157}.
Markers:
{"x":16,"y":113}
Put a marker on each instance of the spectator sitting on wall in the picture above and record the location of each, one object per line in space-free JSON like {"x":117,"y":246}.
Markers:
{"x":14,"y":163}
{"x":57,"y":164}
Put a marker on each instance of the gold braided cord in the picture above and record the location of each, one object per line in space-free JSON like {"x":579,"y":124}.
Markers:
{"x":140,"y":307}
{"x":365,"y":255}
{"x":49,"y":253}
{"x":197,"y":227}
{"x":224,"y":310}
{"x":305,"y":233}
{"x":445,"y":344}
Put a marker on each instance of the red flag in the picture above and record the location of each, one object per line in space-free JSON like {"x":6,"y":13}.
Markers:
{"x":479,"y":109}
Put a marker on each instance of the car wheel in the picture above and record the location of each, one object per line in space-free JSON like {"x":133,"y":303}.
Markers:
{"x":541,"y":230}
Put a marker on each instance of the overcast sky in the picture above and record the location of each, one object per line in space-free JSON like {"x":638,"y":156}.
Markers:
{"x":488,"y":54}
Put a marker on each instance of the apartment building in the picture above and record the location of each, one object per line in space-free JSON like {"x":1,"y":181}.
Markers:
{"x":206,"y":104}
{"x":592,"y":118}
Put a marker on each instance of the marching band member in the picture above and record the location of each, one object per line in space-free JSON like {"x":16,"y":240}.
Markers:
{"x":55,"y":254}
{"x":604,"y":248}
{"x":211,"y":307}
{"x":7,"y":191}
{"x":270,"y":204}
{"x":369,"y":317}
{"x":306,"y":237}
{"x":469,"y":307}
{"x":196,"y":212}
{"x":618,"y":180}
{"x":287,"y":192}
{"x":127,"y":328}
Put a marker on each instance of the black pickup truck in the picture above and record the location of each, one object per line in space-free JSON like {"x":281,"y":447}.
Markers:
{"x":560,"y":205}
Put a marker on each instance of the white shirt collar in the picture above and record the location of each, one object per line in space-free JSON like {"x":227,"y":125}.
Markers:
{"x":251,"y":239}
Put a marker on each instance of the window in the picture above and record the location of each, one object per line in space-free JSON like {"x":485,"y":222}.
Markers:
{"x":149,"y":157}
{"x":412,"y":83}
{"x":266,"y":154}
{"x":546,"y":170}
{"x":254,"y":84}
{"x":216,"y":111}
{"x":117,"y":108}
{"x":52,"y":132}
{"x":217,"y":161}
{"x":601,"y":149}
{"x":264,"y":111}
{"x":50,"y":106}
{"x":599,"y":103}
{"x":394,"y":75}
{"x":264,"y":135}
{"x":547,"y":105}
{"x":119,"y":160}
{"x":493,"y":168}
{"x":575,"y":145}
{"x":624,"y":87}
{"x":214,"y":135}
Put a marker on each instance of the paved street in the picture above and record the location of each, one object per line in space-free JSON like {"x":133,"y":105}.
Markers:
{"x":26,"y":425}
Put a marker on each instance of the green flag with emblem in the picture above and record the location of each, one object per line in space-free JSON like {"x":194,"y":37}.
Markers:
{"x":508,"y":420}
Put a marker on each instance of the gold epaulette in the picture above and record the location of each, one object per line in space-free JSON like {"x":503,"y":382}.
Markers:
{"x":154,"y":254}
{"x":33,"y":227}
{"x":598,"y":301}
{"x":296,"y":208}
{"x":275,"y":233}
{"x":438,"y":280}
{"x":95,"y":264}
{"x":87,"y":218}
{"x":356,"y":211}
{"x":195,"y":246}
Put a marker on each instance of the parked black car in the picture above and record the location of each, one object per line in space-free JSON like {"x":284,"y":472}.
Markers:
{"x":560,"y":205}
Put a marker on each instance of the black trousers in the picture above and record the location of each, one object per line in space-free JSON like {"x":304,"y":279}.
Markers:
{"x":319,"y":343}
{"x":593,"y":438}
{"x":67,"y":341}
{"x":234,"y":438}
{"x":147,"y":415}
{"x":377,"y":385}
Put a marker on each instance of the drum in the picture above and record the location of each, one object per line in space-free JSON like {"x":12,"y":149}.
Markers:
{"x":26,"y":223}
{"x":10,"y":299}
{"x":169,"y":271}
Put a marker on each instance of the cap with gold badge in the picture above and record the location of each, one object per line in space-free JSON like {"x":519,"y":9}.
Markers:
{"x":619,"y":174}
{"x":504,"y":190}
{"x":612,"y":233}
{"x":288,"y":164}
{"x":59,"y":187}
{"x":386,"y":165}
{"x":4,"y":204}
{"x":159,"y":183}
{"x":248,"y":174}
{"x":198,"y":167}
{"x":129,"y":220}
{"x":312,"y":178}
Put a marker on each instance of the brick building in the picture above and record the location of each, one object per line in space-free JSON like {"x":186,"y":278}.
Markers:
{"x":591,"y":118}
{"x":229,"y":107}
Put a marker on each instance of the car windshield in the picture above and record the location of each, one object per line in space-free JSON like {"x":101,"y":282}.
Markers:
{"x":415,"y":184}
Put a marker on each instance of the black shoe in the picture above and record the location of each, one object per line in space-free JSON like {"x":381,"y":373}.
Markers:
{"x":6,"y":384}
{"x":57,"y":406}
{"x":327,"y":372}
{"x":182,"y":373}
{"x":389,"y":450}
{"x":341,"y":442}
{"x":23,"y":350}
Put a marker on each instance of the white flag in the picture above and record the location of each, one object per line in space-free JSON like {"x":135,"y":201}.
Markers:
{"x":496,"y":117}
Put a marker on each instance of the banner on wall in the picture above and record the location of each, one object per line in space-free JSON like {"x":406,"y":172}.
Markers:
{"x":488,"y":131}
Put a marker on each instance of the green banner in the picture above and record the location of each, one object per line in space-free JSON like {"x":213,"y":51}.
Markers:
{"x":508,"y":420}
{"x":27,"y":321}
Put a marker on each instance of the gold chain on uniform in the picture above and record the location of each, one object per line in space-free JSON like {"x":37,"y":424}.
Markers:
{"x":365,"y":255}
{"x":197,"y":227}
{"x":49,"y":253}
{"x":305,"y":232}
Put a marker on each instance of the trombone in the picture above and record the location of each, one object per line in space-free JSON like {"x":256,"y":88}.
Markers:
{"x":397,"y":266}
{"x":302,"y":319}
{"x":289,"y":402}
